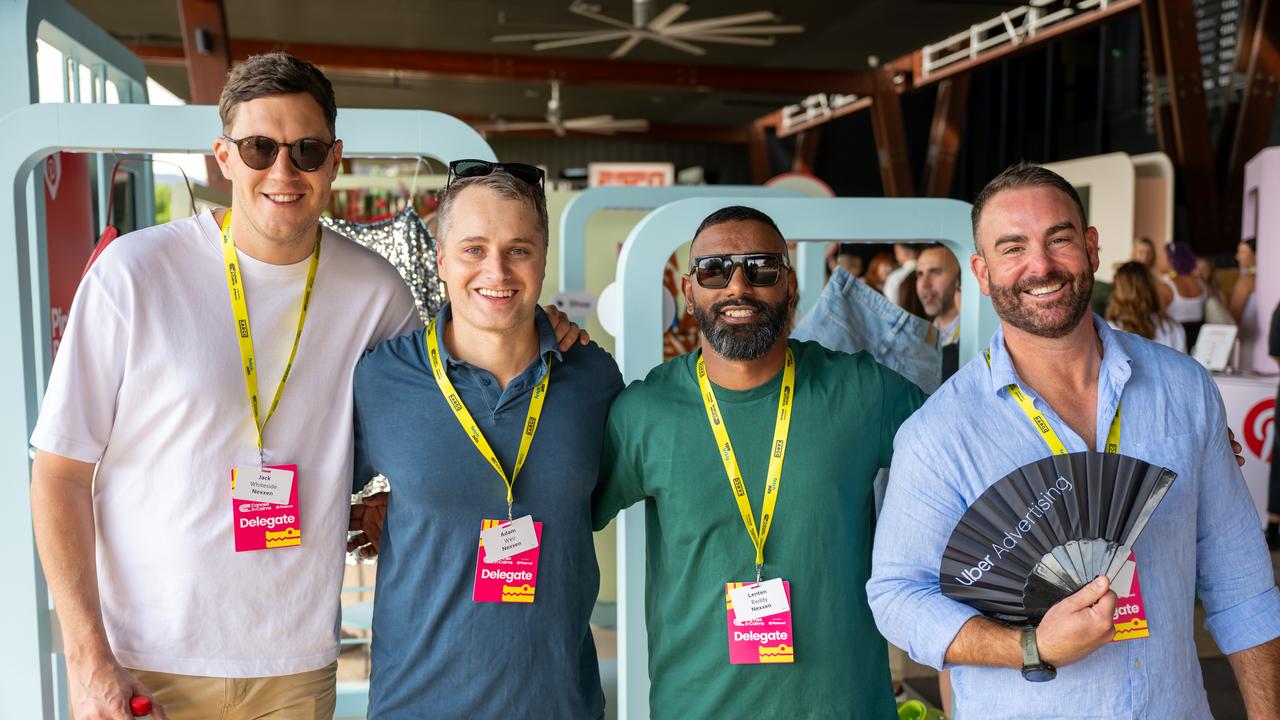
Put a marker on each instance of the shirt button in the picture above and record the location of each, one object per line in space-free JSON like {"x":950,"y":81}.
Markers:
{"x":1137,"y":663}
{"x":484,"y":381}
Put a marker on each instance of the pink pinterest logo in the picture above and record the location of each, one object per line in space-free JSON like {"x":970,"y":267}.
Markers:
{"x":1258,"y":424}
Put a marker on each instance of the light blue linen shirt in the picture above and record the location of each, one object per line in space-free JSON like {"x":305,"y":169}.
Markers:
{"x":1204,"y":535}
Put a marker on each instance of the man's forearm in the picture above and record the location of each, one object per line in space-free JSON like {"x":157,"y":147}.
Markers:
{"x":985,"y":642}
{"x":62,"y":515}
{"x":1258,"y":674}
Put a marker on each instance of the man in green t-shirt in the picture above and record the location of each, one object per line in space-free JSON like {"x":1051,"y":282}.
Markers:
{"x":756,"y":426}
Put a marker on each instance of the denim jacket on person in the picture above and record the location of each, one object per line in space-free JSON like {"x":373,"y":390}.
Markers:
{"x":851,"y":316}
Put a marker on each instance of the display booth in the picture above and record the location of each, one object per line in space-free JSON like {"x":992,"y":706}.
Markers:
{"x":807,"y":220}
{"x":1250,"y":398}
{"x":1125,"y":197}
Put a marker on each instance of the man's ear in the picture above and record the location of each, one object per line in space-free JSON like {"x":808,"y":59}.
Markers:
{"x":337,"y":160}
{"x":1091,"y":246}
{"x":978,"y":266}
{"x":686,"y":288}
{"x":222,"y":153}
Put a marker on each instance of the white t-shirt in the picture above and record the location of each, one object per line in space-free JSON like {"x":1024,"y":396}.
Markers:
{"x":1169,"y":333}
{"x":893,"y":281}
{"x":147,"y":383}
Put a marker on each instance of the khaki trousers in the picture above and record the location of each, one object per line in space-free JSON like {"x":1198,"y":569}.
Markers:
{"x":304,"y":696}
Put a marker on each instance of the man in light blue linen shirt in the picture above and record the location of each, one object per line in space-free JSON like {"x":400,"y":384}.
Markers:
{"x":1035,"y":258}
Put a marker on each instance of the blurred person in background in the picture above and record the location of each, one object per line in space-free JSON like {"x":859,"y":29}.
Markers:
{"x":1244,"y":303}
{"x":1188,"y":292}
{"x":1144,"y":251}
{"x":905,"y":255}
{"x":879,"y":270}
{"x":848,"y":258}
{"x":1215,"y":307}
{"x":1134,"y":308}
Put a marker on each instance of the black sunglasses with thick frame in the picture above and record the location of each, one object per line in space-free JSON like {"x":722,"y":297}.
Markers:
{"x":259,"y":152}
{"x":529,"y":174}
{"x":715,"y":272}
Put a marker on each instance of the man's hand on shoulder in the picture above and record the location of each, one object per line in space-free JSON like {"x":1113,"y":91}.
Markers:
{"x":1235,"y":447}
{"x":367,"y":518}
{"x":567,"y":332}
{"x":1078,"y":625}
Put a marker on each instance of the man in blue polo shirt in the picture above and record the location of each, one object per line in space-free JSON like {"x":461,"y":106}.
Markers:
{"x":481,"y":423}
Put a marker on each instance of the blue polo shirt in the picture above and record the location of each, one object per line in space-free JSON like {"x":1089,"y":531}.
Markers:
{"x":436,"y":653}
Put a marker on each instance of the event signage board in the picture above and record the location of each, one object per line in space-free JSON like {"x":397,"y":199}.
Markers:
{"x":1251,"y":413}
{"x":631,"y":174}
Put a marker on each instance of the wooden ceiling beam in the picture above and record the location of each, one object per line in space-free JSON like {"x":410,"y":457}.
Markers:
{"x":890,"y":136}
{"x":1248,"y":123}
{"x":1188,"y":140}
{"x":944,"y":135}
{"x":538,"y":68}
{"x":206,"y":54}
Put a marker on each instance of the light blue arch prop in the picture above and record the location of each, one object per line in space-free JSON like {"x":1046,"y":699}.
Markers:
{"x":573,"y":227}
{"x":30,"y":133}
{"x":639,"y":348}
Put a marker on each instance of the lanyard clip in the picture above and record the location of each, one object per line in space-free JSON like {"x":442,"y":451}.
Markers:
{"x":759,"y":571}
{"x":508,"y":512}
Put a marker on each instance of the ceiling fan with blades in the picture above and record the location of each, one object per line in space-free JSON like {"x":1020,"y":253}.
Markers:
{"x":756,"y":29}
{"x":555,"y":122}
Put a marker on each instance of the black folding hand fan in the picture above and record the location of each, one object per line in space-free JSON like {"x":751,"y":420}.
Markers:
{"x":1047,"y":529}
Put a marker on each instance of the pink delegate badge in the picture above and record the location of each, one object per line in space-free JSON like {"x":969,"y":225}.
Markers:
{"x":512,"y":580}
{"x":1130,"y":616}
{"x":765,"y":640}
{"x":263,"y":525}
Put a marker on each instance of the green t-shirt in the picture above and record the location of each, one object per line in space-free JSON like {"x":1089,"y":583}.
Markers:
{"x":659,"y":448}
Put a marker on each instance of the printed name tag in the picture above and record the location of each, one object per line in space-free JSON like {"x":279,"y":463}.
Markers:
{"x":269,"y":484}
{"x":513,"y":579}
{"x":510,"y":538}
{"x":764,"y":640}
{"x":757,"y":600}
{"x":259,"y":524}
{"x":1130,"y":617}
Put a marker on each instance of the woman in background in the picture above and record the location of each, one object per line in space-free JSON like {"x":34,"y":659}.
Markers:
{"x":1134,"y":308}
{"x":1189,"y":293}
{"x":878,"y":270}
{"x":1215,"y":307}
{"x":1244,"y":303}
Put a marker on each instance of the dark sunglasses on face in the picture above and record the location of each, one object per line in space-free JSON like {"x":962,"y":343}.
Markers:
{"x":760,"y":269}
{"x":259,"y":152}
{"x":529,"y":174}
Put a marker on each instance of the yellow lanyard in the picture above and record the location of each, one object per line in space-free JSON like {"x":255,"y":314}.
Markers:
{"x":469,"y":424}
{"x":240,"y":311}
{"x":1041,"y":423}
{"x":779,"y":445}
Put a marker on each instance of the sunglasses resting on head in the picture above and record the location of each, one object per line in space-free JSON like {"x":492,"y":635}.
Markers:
{"x":529,"y":174}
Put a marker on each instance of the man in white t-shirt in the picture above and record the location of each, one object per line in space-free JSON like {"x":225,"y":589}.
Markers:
{"x":905,"y":255}
{"x":171,"y":376}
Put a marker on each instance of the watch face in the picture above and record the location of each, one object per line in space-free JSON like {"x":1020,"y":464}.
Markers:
{"x":1039,"y":673}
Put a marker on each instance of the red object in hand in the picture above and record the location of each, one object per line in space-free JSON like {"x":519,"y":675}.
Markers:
{"x":140,"y":706}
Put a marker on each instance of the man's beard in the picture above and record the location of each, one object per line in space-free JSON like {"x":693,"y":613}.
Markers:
{"x":748,"y":341}
{"x":1053,"y":320}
